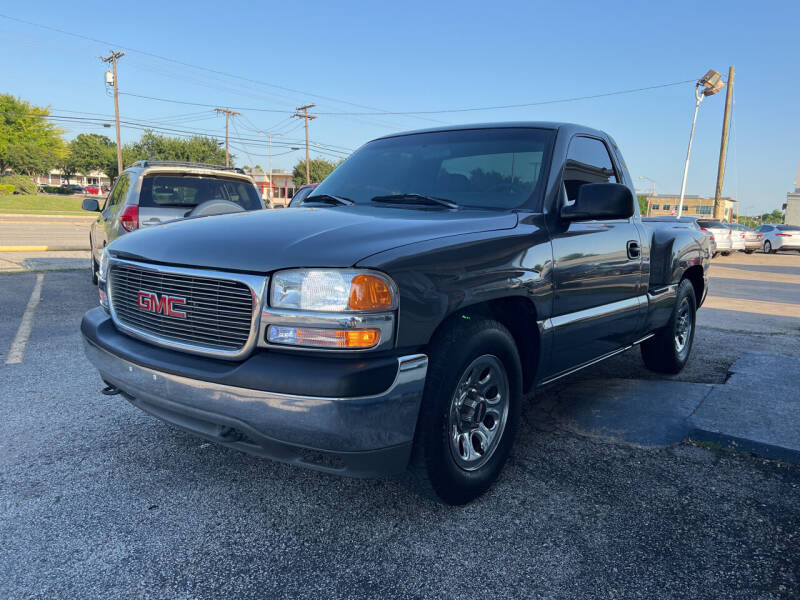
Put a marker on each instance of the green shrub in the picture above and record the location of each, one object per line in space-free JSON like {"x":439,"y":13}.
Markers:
{"x":21,"y":183}
{"x":54,"y":189}
{"x":6,"y":189}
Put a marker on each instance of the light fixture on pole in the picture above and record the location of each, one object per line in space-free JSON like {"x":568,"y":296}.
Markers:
{"x":710,"y":84}
{"x":269,"y":137}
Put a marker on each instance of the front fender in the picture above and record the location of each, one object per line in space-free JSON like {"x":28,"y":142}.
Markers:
{"x":438,"y":277}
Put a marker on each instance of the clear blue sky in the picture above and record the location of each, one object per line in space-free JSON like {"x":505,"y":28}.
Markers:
{"x":413,"y":56}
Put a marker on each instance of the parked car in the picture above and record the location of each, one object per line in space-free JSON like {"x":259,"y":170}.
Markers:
{"x":396,"y":319}
{"x":752,"y":239}
{"x":153,"y":192}
{"x":738,"y":243}
{"x":690,"y":222}
{"x":301,"y":194}
{"x":780,"y":237}
{"x":76,"y":188}
{"x":92,"y":189}
{"x":721,"y":232}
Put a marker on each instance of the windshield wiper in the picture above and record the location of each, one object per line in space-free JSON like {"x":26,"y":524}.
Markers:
{"x":415,"y":199}
{"x":329,"y":199}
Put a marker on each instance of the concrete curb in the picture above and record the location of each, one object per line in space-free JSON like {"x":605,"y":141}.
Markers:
{"x":738,"y":444}
{"x":42,"y":248}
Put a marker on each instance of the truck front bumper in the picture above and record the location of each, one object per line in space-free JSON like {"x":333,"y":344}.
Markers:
{"x":360,"y":436}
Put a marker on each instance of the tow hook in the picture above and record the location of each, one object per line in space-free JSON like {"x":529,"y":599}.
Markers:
{"x":110,"y":390}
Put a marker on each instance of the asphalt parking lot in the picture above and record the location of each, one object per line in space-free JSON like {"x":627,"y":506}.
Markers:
{"x":100,"y":500}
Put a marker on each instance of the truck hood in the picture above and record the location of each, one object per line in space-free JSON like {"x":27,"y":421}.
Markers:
{"x":266,"y":240}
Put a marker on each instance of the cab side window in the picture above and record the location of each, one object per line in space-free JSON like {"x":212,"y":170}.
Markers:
{"x":588,"y":161}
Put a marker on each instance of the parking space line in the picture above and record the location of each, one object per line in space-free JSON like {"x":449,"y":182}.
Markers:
{"x":778,"y":309}
{"x":17,"y":351}
{"x":732,"y":273}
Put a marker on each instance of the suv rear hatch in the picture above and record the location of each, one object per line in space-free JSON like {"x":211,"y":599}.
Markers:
{"x":167,"y":196}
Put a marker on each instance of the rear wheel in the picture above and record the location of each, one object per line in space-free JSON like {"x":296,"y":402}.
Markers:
{"x":669,"y":349}
{"x":750,"y":251}
{"x":725,"y":253}
{"x":470,"y":410}
{"x":768,"y":247}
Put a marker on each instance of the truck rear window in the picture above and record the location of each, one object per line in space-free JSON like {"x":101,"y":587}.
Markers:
{"x":190,"y":190}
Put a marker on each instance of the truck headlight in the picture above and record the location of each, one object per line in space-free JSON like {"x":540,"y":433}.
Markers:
{"x":331,"y":290}
{"x":102,"y":268}
{"x":102,"y":276}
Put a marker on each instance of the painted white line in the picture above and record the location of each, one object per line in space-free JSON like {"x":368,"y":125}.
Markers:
{"x":17,"y":351}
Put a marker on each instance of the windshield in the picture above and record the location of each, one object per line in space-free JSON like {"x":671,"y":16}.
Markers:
{"x":190,"y":190}
{"x":487,"y":168}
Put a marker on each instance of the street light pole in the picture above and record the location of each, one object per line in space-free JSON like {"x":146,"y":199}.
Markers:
{"x":699,"y":97}
{"x":708,"y":85}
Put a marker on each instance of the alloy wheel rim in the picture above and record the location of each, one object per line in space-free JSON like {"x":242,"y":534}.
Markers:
{"x":683,"y":326}
{"x":478,"y":412}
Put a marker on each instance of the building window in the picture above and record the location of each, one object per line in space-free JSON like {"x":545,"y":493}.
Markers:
{"x":666,"y":207}
{"x":703,"y":210}
{"x":654,"y":206}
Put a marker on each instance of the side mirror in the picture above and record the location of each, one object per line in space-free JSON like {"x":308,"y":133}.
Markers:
{"x":601,"y":202}
{"x":90,"y":204}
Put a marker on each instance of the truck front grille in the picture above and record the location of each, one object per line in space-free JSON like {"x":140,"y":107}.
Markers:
{"x":201,"y":311}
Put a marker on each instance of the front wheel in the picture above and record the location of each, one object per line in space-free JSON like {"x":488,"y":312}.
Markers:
{"x":470,"y":410}
{"x":669,"y":349}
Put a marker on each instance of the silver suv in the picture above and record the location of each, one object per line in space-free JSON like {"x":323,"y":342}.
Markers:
{"x":151,"y":192}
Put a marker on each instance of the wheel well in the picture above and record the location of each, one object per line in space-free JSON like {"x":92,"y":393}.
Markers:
{"x":519,"y":316}
{"x":695,"y":276}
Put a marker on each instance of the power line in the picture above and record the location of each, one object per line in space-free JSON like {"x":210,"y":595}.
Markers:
{"x":500,"y":107}
{"x":185,"y":64}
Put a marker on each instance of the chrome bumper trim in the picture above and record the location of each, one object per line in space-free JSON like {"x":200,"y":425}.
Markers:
{"x":354,"y":424}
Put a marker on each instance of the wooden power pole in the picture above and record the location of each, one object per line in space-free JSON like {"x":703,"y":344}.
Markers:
{"x":719,"y":209}
{"x":304,"y":115}
{"x":228,"y":114}
{"x":112,"y":58}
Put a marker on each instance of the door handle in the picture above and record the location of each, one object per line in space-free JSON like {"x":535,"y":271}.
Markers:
{"x":633,"y":249}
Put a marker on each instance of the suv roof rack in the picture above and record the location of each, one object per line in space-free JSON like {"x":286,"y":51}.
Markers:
{"x":182,"y":163}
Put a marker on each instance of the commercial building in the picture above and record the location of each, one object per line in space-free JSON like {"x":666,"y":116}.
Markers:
{"x":792,"y":206}
{"x":693,"y":206}
{"x":283,"y":187}
{"x":56,"y":177}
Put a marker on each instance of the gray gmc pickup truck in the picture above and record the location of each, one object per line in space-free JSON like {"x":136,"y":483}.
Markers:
{"x":395,"y":321}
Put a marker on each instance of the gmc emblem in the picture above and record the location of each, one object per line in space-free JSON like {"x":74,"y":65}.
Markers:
{"x":151,"y":302}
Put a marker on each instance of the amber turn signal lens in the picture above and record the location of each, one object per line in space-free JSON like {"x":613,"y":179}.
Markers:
{"x":313,"y":337}
{"x":368,"y":292}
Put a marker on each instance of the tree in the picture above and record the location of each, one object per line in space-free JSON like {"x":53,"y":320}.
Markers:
{"x":29,"y":143}
{"x":152,"y":146}
{"x":89,"y":152}
{"x":642,"y":204}
{"x":776,"y":216}
{"x":319,"y":169}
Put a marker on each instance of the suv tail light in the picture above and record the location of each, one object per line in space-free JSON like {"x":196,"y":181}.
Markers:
{"x":129,"y":218}
{"x":760,"y":235}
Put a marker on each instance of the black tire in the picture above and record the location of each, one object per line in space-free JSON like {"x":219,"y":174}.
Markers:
{"x":725,"y":253}
{"x":434,"y":468}
{"x":768,"y":247}
{"x":715,"y":255}
{"x":749,"y":251}
{"x":663,"y":353}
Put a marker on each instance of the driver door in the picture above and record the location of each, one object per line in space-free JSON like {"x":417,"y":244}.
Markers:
{"x":597,"y":272}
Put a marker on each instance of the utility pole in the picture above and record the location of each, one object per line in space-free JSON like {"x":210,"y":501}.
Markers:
{"x":228,"y":114}
{"x":307,"y":117}
{"x":719,"y":209}
{"x":112,"y":58}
